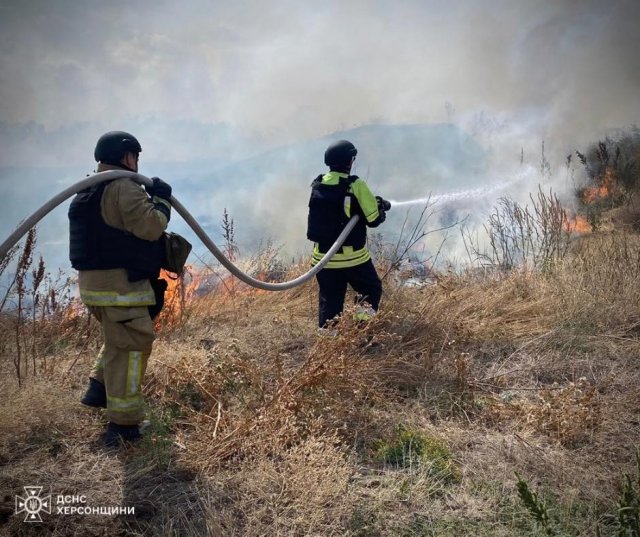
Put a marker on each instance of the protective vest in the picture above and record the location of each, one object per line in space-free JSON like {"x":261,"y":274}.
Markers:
{"x":94,"y":245}
{"x":328,"y":216}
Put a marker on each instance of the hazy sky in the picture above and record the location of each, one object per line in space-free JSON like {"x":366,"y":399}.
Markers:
{"x":280,"y":71}
{"x":220,"y":80}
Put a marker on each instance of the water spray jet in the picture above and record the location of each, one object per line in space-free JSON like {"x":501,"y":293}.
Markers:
{"x":455,"y":196}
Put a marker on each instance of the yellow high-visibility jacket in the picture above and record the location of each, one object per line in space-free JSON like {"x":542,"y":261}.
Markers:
{"x":354,"y":251}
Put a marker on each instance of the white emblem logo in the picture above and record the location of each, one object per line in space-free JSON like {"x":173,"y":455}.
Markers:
{"x":33,"y":504}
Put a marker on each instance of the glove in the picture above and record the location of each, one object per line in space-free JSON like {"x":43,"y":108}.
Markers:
{"x":159,"y":189}
{"x":160,"y":193}
{"x":383,"y":205}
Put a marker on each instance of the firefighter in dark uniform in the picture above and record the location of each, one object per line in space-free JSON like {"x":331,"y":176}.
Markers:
{"x":115,"y":244}
{"x":335,"y":197}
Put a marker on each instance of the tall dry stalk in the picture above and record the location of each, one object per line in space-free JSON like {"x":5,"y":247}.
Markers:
{"x":4,"y":264}
{"x":391,"y":256}
{"x":230,"y":249}
{"x":24,"y":263}
{"x":523,"y":236}
{"x":37,"y":277}
{"x":228,"y":234}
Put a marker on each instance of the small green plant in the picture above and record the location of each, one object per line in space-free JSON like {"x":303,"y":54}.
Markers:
{"x":156,"y":447}
{"x":627,"y":517}
{"x":536,"y":507}
{"x":410,"y":447}
{"x":191,"y":396}
{"x":629,"y":510}
{"x":363,"y":521}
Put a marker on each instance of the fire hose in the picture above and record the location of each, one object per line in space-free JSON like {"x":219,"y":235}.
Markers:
{"x":189,"y":219}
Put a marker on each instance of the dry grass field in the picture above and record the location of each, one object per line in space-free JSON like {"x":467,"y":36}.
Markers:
{"x":414,"y":424}
{"x":496,"y":402}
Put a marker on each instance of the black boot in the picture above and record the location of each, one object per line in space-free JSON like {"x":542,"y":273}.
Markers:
{"x":96,"y":395}
{"x":117,"y":434}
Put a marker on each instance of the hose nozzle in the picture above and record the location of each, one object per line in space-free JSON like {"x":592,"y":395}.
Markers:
{"x":383,"y":204}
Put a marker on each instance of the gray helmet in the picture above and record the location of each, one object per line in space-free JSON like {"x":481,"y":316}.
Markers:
{"x":339,"y":154}
{"x":113,"y":145}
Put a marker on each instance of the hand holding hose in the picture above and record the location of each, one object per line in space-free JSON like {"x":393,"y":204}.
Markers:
{"x":160,"y":193}
{"x":159,"y":189}
{"x":383,"y":207}
{"x":383,"y":204}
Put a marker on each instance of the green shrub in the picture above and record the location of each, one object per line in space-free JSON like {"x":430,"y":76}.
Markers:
{"x":409,"y":447}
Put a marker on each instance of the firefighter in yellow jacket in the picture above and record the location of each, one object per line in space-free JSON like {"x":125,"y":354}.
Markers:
{"x":115,"y":244}
{"x":336,"y":197}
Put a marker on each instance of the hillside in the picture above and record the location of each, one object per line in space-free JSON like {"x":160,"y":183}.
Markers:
{"x":494,"y":400}
{"x":265,"y":191}
{"x":268,"y":193}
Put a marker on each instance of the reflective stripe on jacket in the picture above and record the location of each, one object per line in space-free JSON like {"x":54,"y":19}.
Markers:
{"x":345,"y":257}
{"x":129,"y":299}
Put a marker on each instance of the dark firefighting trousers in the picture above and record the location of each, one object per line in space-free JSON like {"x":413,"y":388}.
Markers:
{"x":333,"y":287}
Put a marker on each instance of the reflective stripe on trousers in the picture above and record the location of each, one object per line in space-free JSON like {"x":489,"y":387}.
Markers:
{"x":121,"y":364}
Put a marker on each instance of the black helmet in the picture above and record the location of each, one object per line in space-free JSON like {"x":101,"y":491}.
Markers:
{"x":339,"y":154}
{"x":113,"y":145}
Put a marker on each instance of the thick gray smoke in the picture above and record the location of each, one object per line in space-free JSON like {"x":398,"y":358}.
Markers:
{"x":208,"y":86}
{"x":284,"y":71}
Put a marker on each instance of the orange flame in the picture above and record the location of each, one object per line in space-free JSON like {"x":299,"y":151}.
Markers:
{"x":73,"y":309}
{"x":180,"y":291}
{"x":603,"y":190}
{"x":196,"y":283}
{"x":577,"y":224}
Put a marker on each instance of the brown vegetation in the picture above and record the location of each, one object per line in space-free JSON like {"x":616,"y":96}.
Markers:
{"x":261,"y":427}
{"x":413,"y":424}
